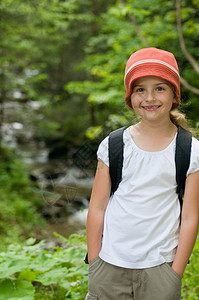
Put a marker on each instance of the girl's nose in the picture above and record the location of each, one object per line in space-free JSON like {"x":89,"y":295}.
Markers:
{"x":149,"y":96}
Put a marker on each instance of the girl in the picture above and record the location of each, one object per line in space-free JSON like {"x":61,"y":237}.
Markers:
{"x":137,"y":248}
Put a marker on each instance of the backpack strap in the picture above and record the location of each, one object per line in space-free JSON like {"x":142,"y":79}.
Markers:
{"x":116,"y":146}
{"x":182,"y":159}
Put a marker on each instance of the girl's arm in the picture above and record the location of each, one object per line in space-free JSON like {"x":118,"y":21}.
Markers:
{"x":189,"y":223}
{"x":99,"y":199}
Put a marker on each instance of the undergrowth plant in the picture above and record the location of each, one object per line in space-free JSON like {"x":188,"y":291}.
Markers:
{"x":20,"y":202}
{"x":33,"y":271}
{"x":190,"y":282}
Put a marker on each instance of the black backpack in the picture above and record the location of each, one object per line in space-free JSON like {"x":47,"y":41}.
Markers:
{"x":182,"y":158}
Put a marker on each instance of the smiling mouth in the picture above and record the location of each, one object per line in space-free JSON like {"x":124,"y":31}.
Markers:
{"x":151,"y":107}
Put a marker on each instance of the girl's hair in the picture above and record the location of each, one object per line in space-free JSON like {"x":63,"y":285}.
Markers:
{"x":179,"y":118}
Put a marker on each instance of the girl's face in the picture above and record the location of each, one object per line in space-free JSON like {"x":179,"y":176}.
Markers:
{"x":152,"y":97}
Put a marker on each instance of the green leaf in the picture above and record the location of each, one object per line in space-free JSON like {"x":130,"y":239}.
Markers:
{"x":54,"y":276}
{"x":30,"y":241}
{"x":27,"y":275}
{"x":16,"y":289}
{"x":8,"y":268}
{"x":93,"y":132}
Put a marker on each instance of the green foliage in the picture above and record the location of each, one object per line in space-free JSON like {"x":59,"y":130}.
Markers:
{"x":190,"y":286}
{"x":33,"y":272}
{"x":70,"y":56}
{"x":19,"y":201}
{"x":119,"y":36}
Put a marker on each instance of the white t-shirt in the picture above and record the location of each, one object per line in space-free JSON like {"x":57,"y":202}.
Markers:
{"x":141,"y":223}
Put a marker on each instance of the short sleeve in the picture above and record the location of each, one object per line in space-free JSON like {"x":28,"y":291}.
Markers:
{"x":102,"y":152}
{"x":194,"y":161}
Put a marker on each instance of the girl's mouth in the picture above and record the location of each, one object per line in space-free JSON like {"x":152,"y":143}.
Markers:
{"x":151,"y":107}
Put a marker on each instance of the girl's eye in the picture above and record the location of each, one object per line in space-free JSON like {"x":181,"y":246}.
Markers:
{"x":159,"y":88}
{"x":139,"y":90}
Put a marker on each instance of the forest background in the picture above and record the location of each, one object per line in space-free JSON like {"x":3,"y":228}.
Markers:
{"x":62,"y":62}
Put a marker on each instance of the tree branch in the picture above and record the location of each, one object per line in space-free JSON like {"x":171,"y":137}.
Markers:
{"x":189,"y":57}
{"x":188,"y":86}
{"x":138,"y":31}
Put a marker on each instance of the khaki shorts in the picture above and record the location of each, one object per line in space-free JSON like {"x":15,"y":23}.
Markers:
{"x":109,"y":282}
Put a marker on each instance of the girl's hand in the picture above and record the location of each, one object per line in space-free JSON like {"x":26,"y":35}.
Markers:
{"x":177,"y":272}
{"x":189,"y":223}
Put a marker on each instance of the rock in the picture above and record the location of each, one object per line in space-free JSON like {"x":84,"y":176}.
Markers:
{"x":58,"y":152}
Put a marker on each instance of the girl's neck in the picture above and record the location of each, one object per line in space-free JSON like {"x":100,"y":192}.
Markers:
{"x":154,"y":129}
{"x":153,"y":138}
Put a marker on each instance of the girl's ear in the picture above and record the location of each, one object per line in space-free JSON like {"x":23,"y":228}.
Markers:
{"x":174,"y":96}
{"x":175,"y":102}
{"x":129,"y":102}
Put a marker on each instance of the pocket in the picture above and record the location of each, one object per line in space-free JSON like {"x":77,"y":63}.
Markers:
{"x":172,"y":272}
{"x":94,"y":266}
{"x":93,"y":261}
{"x":91,"y":296}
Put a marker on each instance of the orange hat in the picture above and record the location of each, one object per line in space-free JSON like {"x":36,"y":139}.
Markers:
{"x":152,"y":62}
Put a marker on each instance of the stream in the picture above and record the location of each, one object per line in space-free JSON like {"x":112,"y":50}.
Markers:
{"x":63,"y":187}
